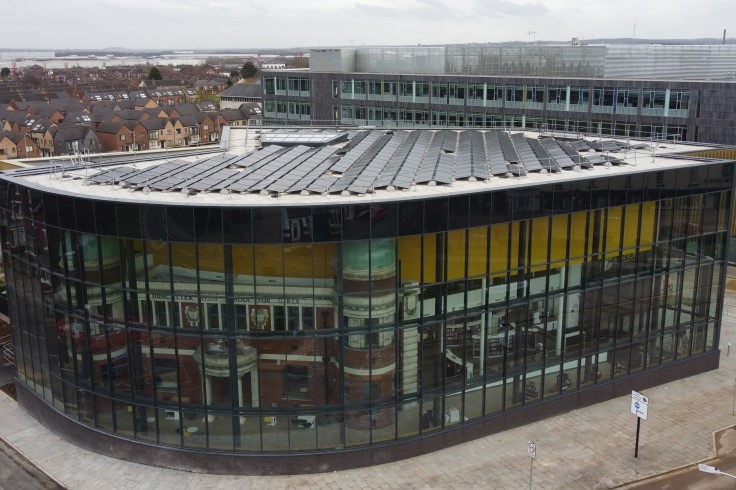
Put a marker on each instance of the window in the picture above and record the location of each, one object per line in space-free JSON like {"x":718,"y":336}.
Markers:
{"x":475,"y":91}
{"x":679,"y":99}
{"x":279,"y":319}
{"x":241,"y":317}
{"x":603,"y":97}
{"x":653,"y":98}
{"x":213,"y":316}
{"x":515,"y":93}
{"x":160,"y":309}
{"x":122,"y":137}
{"x":627,"y":97}
{"x":439,"y":92}
{"x":296,"y":383}
{"x":556,"y":94}
{"x":270,"y":86}
{"x":579,"y":95}
{"x":535,"y":93}
{"x":494,"y":92}
{"x":457,"y":91}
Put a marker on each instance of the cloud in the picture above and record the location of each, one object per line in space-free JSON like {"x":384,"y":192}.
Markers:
{"x":419,"y":10}
{"x":505,"y":8}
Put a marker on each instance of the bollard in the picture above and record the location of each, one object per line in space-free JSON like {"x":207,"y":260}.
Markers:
{"x":728,"y":350}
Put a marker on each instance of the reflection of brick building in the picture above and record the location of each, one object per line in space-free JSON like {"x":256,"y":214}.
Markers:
{"x":332,"y":300}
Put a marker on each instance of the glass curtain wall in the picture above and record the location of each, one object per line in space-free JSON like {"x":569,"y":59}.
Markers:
{"x":304,"y":329}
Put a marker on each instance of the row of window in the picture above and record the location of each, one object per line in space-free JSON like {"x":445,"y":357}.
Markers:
{"x":457,"y":93}
{"x":279,"y":86}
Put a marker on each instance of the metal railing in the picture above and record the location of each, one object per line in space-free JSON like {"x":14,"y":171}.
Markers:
{"x":8,"y":351}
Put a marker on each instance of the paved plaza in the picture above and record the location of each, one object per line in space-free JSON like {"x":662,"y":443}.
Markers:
{"x":590,"y":448}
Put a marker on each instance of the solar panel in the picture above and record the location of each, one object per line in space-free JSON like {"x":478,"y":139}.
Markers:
{"x":545,"y":159}
{"x":580,"y":145}
{"x":375,"y":168}
{"x":360,"y":163}
{"x":430,"y":160}
{"x":355,"y":150}
{"x":310,"y":171}
{"x":112,"y":175}
{"x":495,"y":153}
{"x":464,"y":160}
{"x":526,"y":154}
{"x":480,"y":164}
{"x":507,"y":147}
{"x":401,"y":169}
{"x":561,"y":156}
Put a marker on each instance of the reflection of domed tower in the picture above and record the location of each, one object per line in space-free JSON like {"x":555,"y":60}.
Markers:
{"x":368,"y":286}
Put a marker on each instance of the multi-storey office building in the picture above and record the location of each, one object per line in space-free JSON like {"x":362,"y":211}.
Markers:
{"x":653,"y":92}
{"x":340,"y":299}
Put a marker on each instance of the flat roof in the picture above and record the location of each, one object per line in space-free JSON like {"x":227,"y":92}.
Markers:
{"x":329,"y":166}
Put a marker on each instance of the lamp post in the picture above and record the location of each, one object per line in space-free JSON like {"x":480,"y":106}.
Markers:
{"x":712,"y":469}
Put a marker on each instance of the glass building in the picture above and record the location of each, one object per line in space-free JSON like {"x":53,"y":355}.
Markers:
{"x":263,"y":332}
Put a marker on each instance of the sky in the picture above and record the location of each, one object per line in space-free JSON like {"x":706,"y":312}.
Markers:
{"x":224,"y":24}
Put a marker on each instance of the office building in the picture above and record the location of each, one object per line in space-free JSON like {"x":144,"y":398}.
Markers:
{"x":307,"y":301}
{"x":686,"y":93}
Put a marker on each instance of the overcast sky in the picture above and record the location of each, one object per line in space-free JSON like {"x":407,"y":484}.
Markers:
{"x":223,"y":24}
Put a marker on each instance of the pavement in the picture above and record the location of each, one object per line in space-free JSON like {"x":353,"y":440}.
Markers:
{"x":589,"y":448}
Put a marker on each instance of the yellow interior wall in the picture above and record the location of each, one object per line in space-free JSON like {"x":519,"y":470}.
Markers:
{"x":430,"y":259}
{"x":577,"y":236}
{"x":410,"y":254}
{"x":298,"y":261}
{"x":268,"y":260}
{"x":647,"y":225}
{"x":515,"y":226}
{"x":159,"y":252}
{"x":318,"y":260}
{"x":242,"y":259}
{"x":477,"y":256}
{"x":631,"y":226}
{"x":613,"y":229}
{"x":455,"y":254}
{"x":325,"y":255}
{"x":499,"y":249}
{"x":539,"y":241}
{"x":212,"y":257}
{"x":559,"y":237}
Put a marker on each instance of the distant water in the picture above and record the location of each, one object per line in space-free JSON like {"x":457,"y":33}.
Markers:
{"x":60,"y":63}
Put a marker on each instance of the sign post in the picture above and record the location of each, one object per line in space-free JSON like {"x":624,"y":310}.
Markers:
{"x":640,"y":408}
{"x":532,"y":448}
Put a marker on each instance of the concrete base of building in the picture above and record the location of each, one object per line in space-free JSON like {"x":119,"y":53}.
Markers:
{"x":298,"y":463}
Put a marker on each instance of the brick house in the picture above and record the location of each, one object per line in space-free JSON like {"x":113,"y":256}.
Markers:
{"x":18,"y":145}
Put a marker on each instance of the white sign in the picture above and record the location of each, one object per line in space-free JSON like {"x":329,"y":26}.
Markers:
{"x":532,"y":450}
{"x":639,"y":405}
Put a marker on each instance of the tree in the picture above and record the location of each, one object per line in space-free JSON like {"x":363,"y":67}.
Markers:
{"x":154,"y":74}
{"x":249,"y":70}
{"x":234,"y":74}
{"x":5,"y":72}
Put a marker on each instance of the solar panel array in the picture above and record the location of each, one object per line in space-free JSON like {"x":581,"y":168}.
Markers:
{"x":369,"y":161}
{"x":525,"y":152}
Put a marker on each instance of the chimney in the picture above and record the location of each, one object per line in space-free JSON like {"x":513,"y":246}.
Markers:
{"x":724,"y":36}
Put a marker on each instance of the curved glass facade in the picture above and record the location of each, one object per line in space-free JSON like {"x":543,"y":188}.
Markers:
{"x":307,"y":329}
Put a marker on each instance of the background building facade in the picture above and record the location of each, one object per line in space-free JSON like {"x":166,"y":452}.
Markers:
{"x":342,"y":333}
{"x":652,"y":92}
